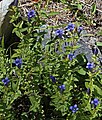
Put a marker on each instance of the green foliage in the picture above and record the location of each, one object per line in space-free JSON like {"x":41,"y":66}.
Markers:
{"x":93,"y":9}
{"x":31,"y":93}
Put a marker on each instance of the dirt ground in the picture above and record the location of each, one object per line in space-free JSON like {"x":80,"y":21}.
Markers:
{"x":65,"y":15}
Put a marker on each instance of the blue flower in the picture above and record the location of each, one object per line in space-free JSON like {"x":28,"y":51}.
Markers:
{"x":95,"y":51}
{"x":70,"y":27}
{"x":90,"y":65}
{"x":74,"y":108}
{"x":18,"y":62}
{"x":95,"y":102}
{"x":53,"y":78}
{"x":59,"y":33}
{"x":31,"y":14}
{"x":88,"y":91}
{"x":62,"y":87}
{"x":80,"y":29}
{"x":71,"y":56}
{"x":6,"y":81}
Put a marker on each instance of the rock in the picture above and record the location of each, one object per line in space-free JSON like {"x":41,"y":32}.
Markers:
{"x":5,"y":26}
{"x":86,"y":43}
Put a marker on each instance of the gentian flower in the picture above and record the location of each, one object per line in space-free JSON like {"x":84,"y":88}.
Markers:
{"x":90,"y":65}
{"x":71,"y":56}
{"x":18,"y":62}
{"x":31,"y":14}
{"x":95,"y":51}
{"x":70,"y":27}
{"x":59,"y":33}
{"x":88,"y":91}
{"x":95,"y":102}
{"x":62,"y":87}
{"x":80,"y":29}
{"x":6,"y":81}
{"x":74,"y":108}
{"x":53,"y":78}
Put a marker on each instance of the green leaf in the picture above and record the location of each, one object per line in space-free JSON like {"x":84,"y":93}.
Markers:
{"x":99,"y":43}
{"x":82,"y":71}
{"x":14,"y":55}
{"x":1,"y":76}
{"x":53,"y":13}
{"x":99,"y":33}
{"x":80,"y":6}
{"x":99,"y":90}
{"x":21,"y":23}
{"x":14,"y":86}
{"x":1,"y":107}
{"x":14,"y":30}
{"x":19,"y":34}
{"x":23,"y":29}
{"x":35,"y":103}
{"x":16,"y":95}
{"x":93,"y":9}
{"x":87,"y":84}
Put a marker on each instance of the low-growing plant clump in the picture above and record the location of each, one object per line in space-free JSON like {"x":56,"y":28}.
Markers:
{"x":42,"y":78}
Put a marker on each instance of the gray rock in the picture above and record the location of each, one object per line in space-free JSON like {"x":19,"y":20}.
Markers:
{"x":5,"y":26}
{"x":86,"y":43}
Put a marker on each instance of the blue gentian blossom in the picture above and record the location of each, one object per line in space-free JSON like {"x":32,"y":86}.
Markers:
{"x":53,"y":78}
{"x":18,"y":62}
{"x":80,"y":28}
{"x":90,"y":65}
{"x":6,"y":81}
{"x":31,"y":14}
{"x":62,"y":87}
{"x":88,"y":91}
{"x":59,"y":32}
{"x":71,"y":56}
{"x":70,"y":27}
{"x":95,"y":51}
{"x":74,"y":108}
{"x":95,"y":102}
